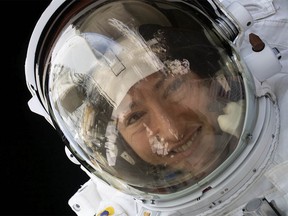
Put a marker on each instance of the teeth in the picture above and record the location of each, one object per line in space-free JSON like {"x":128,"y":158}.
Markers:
{"x":187,"y":145}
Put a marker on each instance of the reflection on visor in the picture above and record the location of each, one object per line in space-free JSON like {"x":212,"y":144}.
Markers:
{"x":151,"y":104}
{"x":172,"y":125}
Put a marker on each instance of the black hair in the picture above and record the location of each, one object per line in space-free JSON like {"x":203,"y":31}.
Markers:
{"x":180,"y":44}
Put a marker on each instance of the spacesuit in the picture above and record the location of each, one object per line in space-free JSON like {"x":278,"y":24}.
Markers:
{"x":170,"y":107}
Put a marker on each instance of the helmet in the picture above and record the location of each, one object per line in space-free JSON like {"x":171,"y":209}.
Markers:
{"x":150,"y":96}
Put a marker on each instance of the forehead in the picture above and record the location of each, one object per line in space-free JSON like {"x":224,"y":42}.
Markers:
{"x":145,"y":85}
{"x":149,"y":86}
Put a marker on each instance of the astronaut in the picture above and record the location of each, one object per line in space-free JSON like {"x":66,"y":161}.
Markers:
{"x":171,"y":107}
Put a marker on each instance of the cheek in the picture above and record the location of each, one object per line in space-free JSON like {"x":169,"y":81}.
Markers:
{"x":138,"y":141}
{"x":140,"y":144}
{"x":200,"y":103}
{"x":201,"y":100}
{"x":198,"y":100}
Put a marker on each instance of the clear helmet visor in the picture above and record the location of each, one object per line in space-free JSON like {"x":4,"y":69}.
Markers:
{"x":145,"y":98}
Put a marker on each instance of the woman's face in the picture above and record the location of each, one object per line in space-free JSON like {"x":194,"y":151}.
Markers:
{"x":166,"y":120}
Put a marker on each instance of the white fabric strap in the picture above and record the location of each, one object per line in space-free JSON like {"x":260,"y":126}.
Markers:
{"x":278,"y":176}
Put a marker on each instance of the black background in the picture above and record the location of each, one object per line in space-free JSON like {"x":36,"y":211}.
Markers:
{"x":37,"y":178}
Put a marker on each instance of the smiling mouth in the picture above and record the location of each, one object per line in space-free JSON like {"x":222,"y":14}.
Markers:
{"x":187,"y":145}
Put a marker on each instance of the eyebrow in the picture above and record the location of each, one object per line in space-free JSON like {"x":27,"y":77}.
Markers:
{"x":160,"y":82}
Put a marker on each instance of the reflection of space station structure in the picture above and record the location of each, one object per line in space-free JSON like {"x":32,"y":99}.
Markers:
{"x":97,"y":70}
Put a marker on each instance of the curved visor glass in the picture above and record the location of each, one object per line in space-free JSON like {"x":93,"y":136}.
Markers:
{"x":147,"y":93}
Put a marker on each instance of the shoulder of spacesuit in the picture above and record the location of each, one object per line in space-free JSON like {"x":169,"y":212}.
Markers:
{"x":95,"y":197}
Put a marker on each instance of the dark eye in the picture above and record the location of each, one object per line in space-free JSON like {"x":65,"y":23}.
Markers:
{"x":173,"y":87}
{"x":134,"y":117}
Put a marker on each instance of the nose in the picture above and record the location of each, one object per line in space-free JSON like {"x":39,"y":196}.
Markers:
{"x":165,"y":123}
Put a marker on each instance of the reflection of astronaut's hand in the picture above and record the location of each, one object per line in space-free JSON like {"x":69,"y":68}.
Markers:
{"x":232,"y":119}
